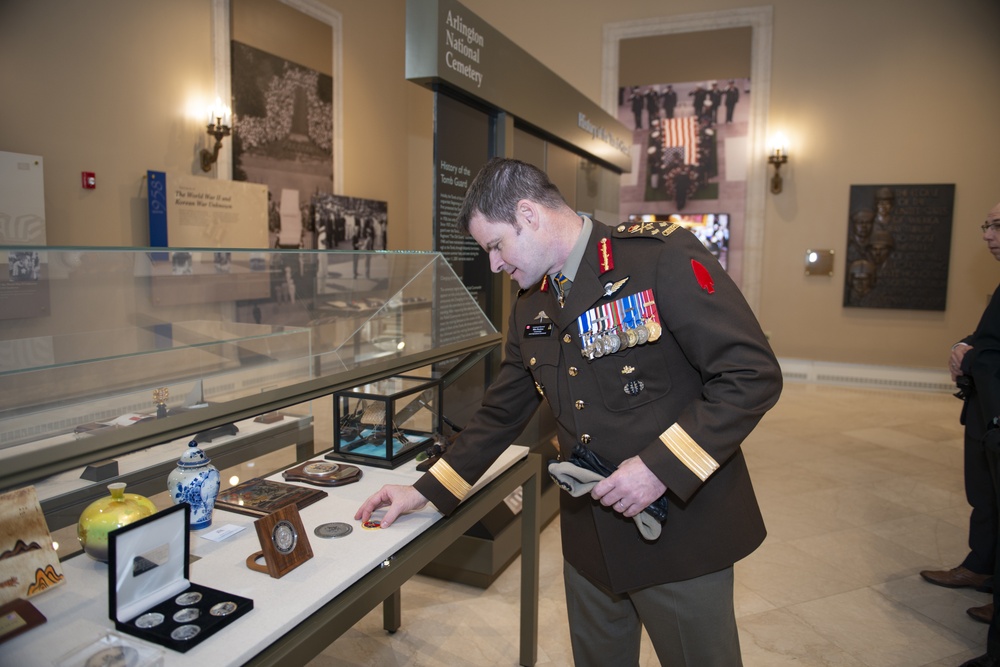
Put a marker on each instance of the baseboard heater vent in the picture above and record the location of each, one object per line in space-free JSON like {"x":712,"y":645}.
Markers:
{"x":860,"y":375}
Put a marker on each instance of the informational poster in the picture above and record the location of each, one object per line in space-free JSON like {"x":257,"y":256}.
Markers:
{"x":24,"y":288}
{"x":461,"y":148}
{"x":22,"y":199}
{"x":898,"y":246}
{"x":209,"y":213}
{"x":194,"y":212}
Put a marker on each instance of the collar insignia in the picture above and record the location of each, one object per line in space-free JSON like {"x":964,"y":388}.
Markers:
{"x":604,"y":255}
{"x":545,"y":284}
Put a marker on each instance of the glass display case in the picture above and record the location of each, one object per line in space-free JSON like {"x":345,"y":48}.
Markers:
{"x":386,"y":422}
{"x":109,"y":354}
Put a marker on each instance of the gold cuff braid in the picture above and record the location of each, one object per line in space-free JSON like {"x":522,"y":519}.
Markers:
{"x":696,"y":459}
{"x":450,"y":479}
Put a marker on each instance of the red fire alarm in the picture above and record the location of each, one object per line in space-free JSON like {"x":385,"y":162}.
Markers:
{"x":89,"y":180}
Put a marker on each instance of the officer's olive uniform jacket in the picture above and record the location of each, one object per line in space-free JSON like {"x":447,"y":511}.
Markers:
{"x":706,"y":383}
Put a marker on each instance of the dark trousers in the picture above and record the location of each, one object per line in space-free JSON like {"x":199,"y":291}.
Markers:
{"x":690,"y":623}
{"x":992,"y":454}
{"x":981,"y":492}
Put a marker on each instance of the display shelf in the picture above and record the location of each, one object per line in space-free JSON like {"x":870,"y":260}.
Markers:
{"x":297,"y":616}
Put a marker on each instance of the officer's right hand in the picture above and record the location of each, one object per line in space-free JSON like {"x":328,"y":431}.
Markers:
{"x":399,"y":500}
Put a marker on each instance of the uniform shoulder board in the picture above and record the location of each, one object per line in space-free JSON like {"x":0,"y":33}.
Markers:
{"x":659,"y":229}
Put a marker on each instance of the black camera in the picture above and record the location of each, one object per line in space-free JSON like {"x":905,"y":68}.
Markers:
{"x":965,"y":386}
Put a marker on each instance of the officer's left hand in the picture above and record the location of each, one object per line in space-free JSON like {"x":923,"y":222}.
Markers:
{"x":630,"y":489}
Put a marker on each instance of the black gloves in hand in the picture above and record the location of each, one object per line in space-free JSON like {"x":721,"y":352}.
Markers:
{"x":585,"y":458}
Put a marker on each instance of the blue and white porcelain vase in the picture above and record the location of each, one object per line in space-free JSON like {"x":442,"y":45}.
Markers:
{"x":195,"y":481}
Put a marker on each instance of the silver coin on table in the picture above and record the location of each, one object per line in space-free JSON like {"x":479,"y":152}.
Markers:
{"x":185,"y":632}
{"x":223,"y":609}
{"x":334,"y":529}
{"x":186,"y":615}
{"x":150,"y":620}
{"x":189,"y":598}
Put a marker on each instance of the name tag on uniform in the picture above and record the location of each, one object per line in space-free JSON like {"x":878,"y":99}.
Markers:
{"x":536,"y":330}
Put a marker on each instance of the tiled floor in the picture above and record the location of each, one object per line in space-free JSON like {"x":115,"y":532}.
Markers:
{"x":860,"y":489}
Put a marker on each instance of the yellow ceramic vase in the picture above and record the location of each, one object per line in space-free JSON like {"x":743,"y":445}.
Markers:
{"x":106,"y":514}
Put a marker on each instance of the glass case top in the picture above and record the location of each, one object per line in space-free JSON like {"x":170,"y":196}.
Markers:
{"x":88,"y":332}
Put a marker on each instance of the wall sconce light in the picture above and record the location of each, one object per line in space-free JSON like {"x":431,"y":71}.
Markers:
{"x":218,"y":127}
{"x":778,"y":156}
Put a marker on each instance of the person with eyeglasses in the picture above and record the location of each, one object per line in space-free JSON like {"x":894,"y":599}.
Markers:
{"x":976,"y":571}
{"x":982,"y":363}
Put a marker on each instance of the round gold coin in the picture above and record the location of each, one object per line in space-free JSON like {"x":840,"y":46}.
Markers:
{"x":633,"y":338}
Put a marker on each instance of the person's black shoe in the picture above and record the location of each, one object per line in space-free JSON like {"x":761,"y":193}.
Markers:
{"x":982,"y":661}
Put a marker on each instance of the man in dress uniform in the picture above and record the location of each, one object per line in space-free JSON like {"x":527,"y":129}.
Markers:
{"x":649,"y":356}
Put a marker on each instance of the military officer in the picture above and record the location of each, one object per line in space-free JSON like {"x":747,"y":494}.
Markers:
{"x":649,"y":355}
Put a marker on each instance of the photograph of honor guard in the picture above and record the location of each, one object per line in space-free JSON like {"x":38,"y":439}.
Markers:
{"x":670,"y":413}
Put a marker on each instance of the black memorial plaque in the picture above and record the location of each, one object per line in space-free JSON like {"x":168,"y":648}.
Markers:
{"x":898,"y":246}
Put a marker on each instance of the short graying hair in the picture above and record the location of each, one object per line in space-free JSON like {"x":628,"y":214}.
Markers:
{"x":500,"y":184}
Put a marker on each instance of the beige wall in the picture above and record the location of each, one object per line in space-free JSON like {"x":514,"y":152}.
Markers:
{"x":118,"y":87}
{"x":899,"y":91}
{"x":895,"y":91}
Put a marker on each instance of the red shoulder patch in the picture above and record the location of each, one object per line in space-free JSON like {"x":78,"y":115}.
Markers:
{"x":703,"y":277}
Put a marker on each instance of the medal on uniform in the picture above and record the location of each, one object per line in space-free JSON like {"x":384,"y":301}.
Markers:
{"x":637,"y":323}
{"x":642,"y":334}
{"x":606,"y":326}
{"x":583,"y":323}
{"x":615,"y":341}
{"x":630,"y":318}
{"x":632,"y":337}
{"x":650,"y":315}
{"x":655,"y":331}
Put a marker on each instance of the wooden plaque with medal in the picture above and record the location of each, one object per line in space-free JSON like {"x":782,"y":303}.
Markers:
{"x":283,"y":541}
{"x":323,"y":473}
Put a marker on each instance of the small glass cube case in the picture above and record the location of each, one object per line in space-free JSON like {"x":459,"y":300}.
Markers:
{"x":387,"y":422}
